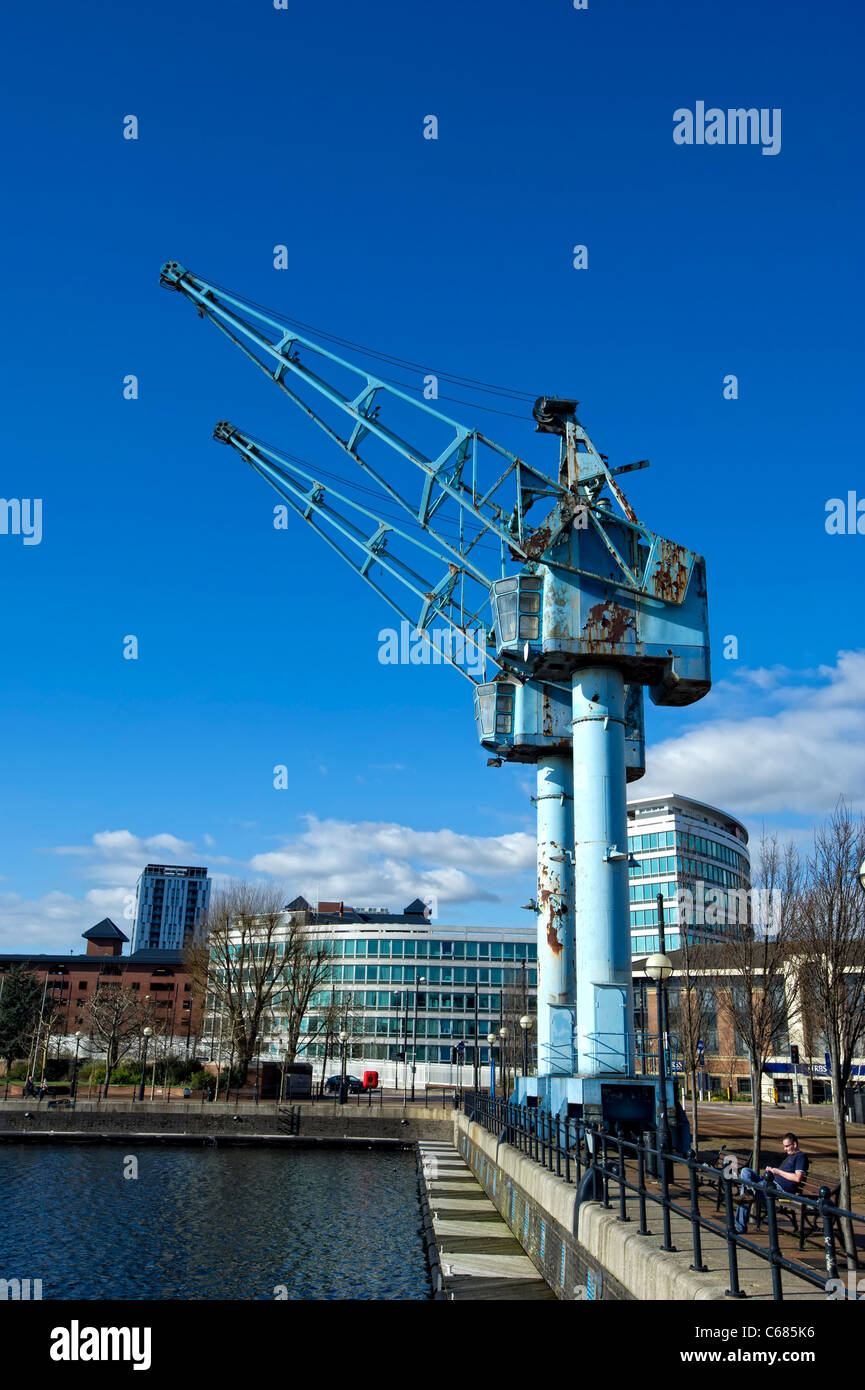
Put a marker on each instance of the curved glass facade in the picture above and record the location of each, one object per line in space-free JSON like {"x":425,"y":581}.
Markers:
{"x":697,"y":856}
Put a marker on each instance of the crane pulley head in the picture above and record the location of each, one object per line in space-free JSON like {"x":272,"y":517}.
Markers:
{"x":551,"y":412}
{"x":586,"y":584}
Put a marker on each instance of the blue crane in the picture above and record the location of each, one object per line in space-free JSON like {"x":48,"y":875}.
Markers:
{"x":582,"y":608}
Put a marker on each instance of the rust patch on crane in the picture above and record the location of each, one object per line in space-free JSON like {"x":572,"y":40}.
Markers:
{"x":546,"y":714}
{"x":550,"y":903}
{"x":608,"y":626}
{"x":670,"y":580}
{"x":538,"y":541}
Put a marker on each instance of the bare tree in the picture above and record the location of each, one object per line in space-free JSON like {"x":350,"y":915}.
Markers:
{"x":330,"y":1013}
{"x":691,"y":1011}
{"x":161,"y":1025}
{"x":253,"y":960}
{"x":115,"y":1018}
{"x":691,"y":995}
{"x":327,"y":1023}
{"x":830,"y":943}
{"x":762,"y":996}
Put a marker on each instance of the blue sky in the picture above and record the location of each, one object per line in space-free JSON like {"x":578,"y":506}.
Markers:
{"x":304,"y":127}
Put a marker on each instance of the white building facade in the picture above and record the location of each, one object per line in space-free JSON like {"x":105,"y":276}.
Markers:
{"x":464,"y":983}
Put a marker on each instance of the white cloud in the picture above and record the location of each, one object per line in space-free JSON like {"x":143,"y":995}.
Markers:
{"x":382,"y":863}
{"x":56,"y":920}
{"x":113,"y":862}
{"x":797,"y":758}
{"x":121,"y":846}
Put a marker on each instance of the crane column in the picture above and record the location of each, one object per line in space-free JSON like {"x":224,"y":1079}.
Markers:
{"x":602,"y":917}
{"x":556,"y":1000}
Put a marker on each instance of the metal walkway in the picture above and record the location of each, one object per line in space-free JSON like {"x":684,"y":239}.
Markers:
{"x":478,"y":1255}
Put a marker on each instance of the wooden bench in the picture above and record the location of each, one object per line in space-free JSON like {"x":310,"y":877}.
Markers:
{"x":805,"y":1221}
{"x":718,"y":1158}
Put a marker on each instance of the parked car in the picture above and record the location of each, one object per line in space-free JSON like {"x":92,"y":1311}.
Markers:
{"x":353,"y":1085}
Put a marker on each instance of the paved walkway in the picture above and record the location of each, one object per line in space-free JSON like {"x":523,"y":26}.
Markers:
{"x":755,"y":1274}
{"x":480,"y":1257}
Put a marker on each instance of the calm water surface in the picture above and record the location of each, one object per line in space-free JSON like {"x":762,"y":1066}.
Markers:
{"x":211,"y":1223}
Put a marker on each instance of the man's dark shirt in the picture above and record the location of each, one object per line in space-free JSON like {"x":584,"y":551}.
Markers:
{"x":792,"y":1163}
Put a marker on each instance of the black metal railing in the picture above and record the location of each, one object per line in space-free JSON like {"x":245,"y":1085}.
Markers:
{"x":572,"y":1147}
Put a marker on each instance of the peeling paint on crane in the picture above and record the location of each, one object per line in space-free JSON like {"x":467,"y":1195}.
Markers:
{"x":607,"y":626}
{"x":670,"y":578}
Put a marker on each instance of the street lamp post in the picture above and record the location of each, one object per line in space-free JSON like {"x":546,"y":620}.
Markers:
{"x":78,"y":1037}
{"x":405,"y":1052}
{"x":421,"y":980}
{"x":148,"y":1034}
{"x":153,"y":1067}
{"x":525,"y":1024}
{"x":503,"y":1067}
{"x":343,"y":1039}
{"x":659,"y":968}
{"x":664,"y":1022}
{"x":491,"y":1039}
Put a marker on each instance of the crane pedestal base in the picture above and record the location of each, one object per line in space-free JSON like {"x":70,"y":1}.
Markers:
{"x":629,"y":1101}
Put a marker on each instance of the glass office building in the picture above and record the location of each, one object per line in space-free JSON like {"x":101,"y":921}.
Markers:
{"x":388,"y":969}
{"x":413,"y":993}
{"x":682,"y":844}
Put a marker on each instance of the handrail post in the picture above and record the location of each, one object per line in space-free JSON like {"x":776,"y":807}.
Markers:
{"x":558,"y":1146}
{"x":641,"y":1184}
{"x":623,"y":1214}
{"x":774,"y":1249}
{"x":665,"y":1197}
{"x":605,"y":1182}
{"x":698,"y":1265}
{"x":828,"y":1233}
{"x":732,"y":1256}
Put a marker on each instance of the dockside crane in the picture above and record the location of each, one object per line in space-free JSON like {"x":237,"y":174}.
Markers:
{"x":578,"y":606}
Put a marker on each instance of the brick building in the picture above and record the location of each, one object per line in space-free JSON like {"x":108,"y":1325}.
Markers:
{"x":727,"y":1067}
{"x":68,"y":981}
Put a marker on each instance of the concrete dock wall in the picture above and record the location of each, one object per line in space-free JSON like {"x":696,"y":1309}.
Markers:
{"x":583,"y":1254}
{"x":314,"y":1123}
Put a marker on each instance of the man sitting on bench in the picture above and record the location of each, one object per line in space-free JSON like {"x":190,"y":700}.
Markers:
{"x":789,"y":1176}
